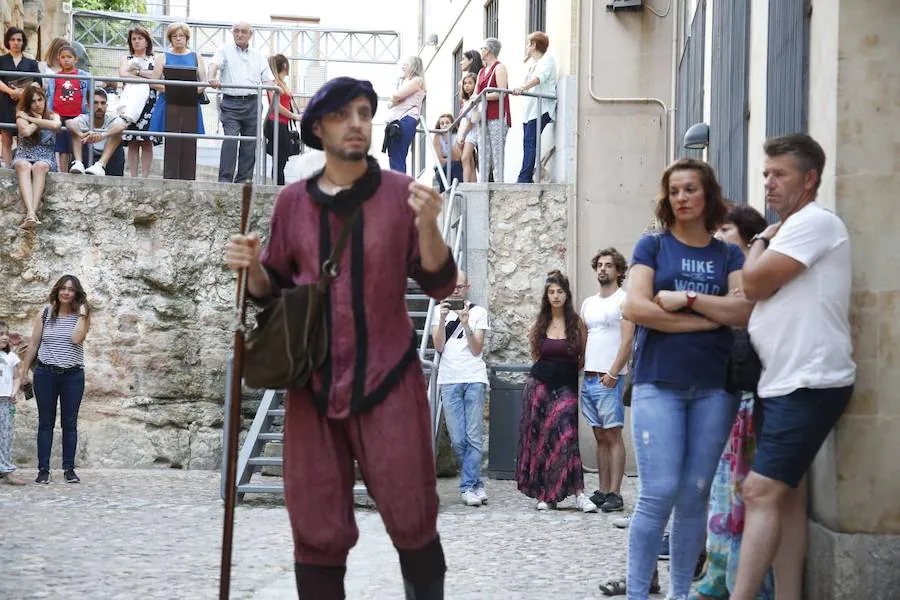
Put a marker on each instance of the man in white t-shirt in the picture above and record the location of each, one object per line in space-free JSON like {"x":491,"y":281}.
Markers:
{"x":458,"y":334}
{"x":605,"y":361}
{"x":106,"y":139}
{"x":798,"y":272}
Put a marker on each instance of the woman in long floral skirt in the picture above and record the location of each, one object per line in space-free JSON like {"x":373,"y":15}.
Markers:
{"x":549,"y":464}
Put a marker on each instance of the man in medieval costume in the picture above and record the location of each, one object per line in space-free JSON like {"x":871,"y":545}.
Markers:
{"x":368,"y":402}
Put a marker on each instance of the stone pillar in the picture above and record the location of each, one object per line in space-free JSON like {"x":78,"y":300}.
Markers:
{"x":854,"y":547}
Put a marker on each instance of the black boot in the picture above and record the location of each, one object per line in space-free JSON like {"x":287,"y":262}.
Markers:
{"x":423,"y":571}
{"x":424,"y":591}
{"x":316,"y":582}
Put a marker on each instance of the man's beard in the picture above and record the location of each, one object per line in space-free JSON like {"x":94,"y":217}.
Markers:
{"x":604,"y":279}
{"x":349,"y":155}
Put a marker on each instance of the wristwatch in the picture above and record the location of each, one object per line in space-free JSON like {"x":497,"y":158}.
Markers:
{"x":760,"y":238}
{"x":691,"y":298}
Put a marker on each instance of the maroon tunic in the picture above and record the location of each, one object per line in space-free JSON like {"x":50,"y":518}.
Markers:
{"x":368,"y":403}
{"x":371,"y":335}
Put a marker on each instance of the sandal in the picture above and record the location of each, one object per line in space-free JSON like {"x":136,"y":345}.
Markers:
{"x":615,"y":586}
{"x":29,"y":223}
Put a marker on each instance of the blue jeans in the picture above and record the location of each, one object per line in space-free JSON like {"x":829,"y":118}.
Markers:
{"x":399,"y":148}
{"x":679,"y":434}
{"x":529,"y":148}
{"x":69,"y":389}
{"x":464,"y":414}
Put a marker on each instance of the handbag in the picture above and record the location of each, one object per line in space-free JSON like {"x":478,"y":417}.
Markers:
{"x":290,"y":338}
{"x":202,"y":98}
{"x":744,"y":366}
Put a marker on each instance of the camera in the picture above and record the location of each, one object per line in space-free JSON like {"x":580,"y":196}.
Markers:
{"x":456,"y":304}
{"x":28,"y":390}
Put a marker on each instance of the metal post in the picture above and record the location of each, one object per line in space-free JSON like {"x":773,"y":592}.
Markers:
{"x":482,"y":143}
{"x":537,"y":145}
{"x":260,"y":149}
{"x":413,"y":155}
{"x":503,"y":138}
{"x":276,"y":125}
{"x":90,"y":158}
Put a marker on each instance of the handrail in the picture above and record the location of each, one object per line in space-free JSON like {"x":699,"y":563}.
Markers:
{"x":437,"y":161}
{"x":259,"y":138}
{"x":481,"y":100}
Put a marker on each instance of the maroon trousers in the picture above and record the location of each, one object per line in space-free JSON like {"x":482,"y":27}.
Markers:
{"x":392,"y":444}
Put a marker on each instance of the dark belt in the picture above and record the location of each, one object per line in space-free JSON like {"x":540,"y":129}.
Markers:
{"x":594,"y":373}
{"x":247,"y":97}
{"x":60,"y":370}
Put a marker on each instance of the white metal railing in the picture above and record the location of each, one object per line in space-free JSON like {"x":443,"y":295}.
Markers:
{"x":452,"y":233}
{"x":480,"y":100}
{"x":259,"y":138}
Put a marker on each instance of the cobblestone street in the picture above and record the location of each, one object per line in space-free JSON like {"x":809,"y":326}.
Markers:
{"x":156,"y":534}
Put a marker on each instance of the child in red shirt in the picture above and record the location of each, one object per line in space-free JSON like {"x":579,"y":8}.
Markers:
{"x":68,"y":98}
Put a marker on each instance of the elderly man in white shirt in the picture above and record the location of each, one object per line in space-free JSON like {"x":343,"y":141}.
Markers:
{"x":239,"y":64}
{"x":541,"y":79}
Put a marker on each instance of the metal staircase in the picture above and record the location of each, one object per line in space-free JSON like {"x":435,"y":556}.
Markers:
{"x":267,"y":424}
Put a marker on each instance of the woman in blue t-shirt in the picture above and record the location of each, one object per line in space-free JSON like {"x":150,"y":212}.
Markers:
{"x":678,"y":295}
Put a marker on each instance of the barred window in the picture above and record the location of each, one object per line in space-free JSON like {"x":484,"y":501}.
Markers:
{"x":492,"y":19}
{"x":537,"y":15}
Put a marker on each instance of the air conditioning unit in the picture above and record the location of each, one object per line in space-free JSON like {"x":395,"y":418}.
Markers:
{"x":614,"y":5}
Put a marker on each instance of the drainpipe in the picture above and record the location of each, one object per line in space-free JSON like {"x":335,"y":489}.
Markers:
{"x":636,"y":100}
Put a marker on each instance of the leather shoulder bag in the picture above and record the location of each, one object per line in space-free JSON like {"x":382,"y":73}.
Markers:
{"x":290,"y":338}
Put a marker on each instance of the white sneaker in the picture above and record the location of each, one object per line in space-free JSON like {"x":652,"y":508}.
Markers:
{"x":77,"y":167}
{"x":481,"y":495}
{"x":469,"y":498}
{"x":584,"y":504}
{"x":542,"y":506}
{"x":96,"y":169}
{"x":622,"y":521}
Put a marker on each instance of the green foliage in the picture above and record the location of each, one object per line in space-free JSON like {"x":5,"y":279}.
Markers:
{"x":126,"y":6}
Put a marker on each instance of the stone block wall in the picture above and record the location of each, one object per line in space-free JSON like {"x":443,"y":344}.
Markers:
{"x":528,"y":238}
{"x":149,"y":254}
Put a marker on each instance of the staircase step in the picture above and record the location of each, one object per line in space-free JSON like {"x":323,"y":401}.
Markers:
{"x":271,"y":437}
{"x":276,"y":412}
{"x":418,"y":314}
{"x":259,"y":488}
{"x":419,"y":297}
{"x":278,"y":488}
{"x":266,"y":461}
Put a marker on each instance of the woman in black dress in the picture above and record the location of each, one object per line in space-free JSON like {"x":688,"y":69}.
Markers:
{"x":11,"y":87}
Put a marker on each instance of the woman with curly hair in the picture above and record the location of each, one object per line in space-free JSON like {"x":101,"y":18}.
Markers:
{"x":548,"y":468}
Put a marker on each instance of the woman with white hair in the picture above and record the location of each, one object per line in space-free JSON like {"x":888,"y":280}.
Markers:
{"x":405,"y":107}
{"x":494,"y":75}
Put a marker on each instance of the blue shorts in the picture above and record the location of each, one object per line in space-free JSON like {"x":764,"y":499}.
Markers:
{"x":790,"y":430}
{"x":600,"y":405}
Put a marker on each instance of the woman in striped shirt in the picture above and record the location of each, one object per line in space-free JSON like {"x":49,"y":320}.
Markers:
{"x":61,"y":328}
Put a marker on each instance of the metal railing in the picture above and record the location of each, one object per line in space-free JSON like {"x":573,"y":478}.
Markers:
{"x":259,"y":138}
{"x":480,"y":100}
{"x":452,"y":233}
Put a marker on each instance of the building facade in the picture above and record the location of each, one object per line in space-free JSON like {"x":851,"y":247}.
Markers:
{"x":631,"y":85}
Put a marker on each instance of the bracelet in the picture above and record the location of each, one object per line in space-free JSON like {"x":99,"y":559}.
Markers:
{"x":613,"y":377}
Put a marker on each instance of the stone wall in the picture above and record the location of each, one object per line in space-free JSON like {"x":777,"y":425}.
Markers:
{"x":149,"y":254}
{"x":528,"y":236}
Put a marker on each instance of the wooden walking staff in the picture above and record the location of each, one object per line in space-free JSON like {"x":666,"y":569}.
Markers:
{"x":234,"y":414}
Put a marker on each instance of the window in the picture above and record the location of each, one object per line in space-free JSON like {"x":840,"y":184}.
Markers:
{"x":492,"y":19}
{"x":457,"y":77}
{"x":537,"y":15}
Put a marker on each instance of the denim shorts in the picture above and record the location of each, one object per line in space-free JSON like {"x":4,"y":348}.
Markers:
{"x":790,"y":430}
{"x":600,"y":405}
